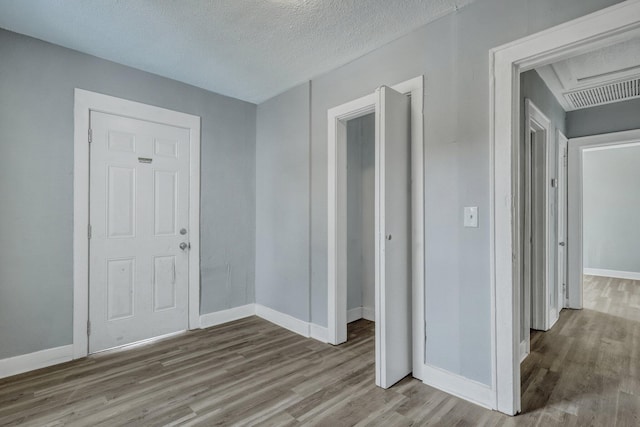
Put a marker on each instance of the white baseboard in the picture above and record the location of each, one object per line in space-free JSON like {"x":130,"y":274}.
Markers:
{"x":32,"y":361}
{"x":300,"y":327}
{"x":283,"y":320}
{"x":464,"y":388}
{"x":369,"y":314}
{"x":630,"y":275}
{"x":318,"y":332}
{"x":524,"y":351}
{"x":361,"y":313}
{"x":219,"y":317}
{"x":354,"y":314}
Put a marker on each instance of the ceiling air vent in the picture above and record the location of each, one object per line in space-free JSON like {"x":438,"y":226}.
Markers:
{"x":605,"y":94}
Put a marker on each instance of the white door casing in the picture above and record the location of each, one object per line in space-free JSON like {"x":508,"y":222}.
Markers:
{"x":562,"y":219}
{"x":85,"y":103}
{"x":599,"y":29}
{"x":139,"y":217}
{"x":525,"y":258}
{"x":393,"y":341}
{"x":538,"y":273}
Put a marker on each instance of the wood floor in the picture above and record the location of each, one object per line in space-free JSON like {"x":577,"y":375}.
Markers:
{"x":250,"y":372}
{"x":586,"y":369}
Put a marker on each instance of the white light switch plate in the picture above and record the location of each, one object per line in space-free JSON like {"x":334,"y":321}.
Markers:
{"x":471,"y":216}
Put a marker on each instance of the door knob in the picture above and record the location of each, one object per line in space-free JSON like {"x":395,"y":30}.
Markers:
{"x":184,"y":246}
{"x":561,"y":243}
{"x":389,"y":236}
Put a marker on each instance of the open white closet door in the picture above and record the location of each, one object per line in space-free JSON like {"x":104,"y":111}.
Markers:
{"x":393,"y":243}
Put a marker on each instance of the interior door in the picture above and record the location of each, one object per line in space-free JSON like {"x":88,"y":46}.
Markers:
{"x":393,"y":243}
{"x":562,"y":219}
{"x":138,"y":252}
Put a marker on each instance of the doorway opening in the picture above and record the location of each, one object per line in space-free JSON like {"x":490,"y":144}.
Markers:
{"x":598,"y":30}
{"x":361,"y":219}
{"x":398,"y":232}
{"x":599,"y":250}
{"x":609,"y":169}
{"x":605,"y":199}
{"x":538,"y":305}
{"x":604,"y":172}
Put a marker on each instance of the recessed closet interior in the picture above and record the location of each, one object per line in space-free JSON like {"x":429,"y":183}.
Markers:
{"x":360,"y":218}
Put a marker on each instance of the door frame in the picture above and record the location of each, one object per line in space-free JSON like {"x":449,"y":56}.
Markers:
{"x":607,"y":26}
{"x":336,"y":215}
{"x":85,"y":102}
{"x":575,"y":230}
{"x":562,"y":217}
{"x":537,"y":300}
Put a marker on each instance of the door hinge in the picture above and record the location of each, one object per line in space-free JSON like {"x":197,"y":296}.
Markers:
{"x":90,"y":136}
{"x":89,"y":231}
{"x":88,"y":327}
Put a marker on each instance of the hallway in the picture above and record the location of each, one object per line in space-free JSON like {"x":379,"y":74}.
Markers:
{"x":586,"y":370}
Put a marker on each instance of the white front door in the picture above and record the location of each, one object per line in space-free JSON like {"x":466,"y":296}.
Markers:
{"x":393,"y":243}
{"x":138,"y":215}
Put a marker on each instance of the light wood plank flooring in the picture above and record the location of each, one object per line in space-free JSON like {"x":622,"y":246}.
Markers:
{"x":584,"y":372}
{"x":586,"y":369}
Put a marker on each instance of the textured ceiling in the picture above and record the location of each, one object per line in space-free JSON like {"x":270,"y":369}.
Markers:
{"x":247,"y":49}
{"x":596,"y":69}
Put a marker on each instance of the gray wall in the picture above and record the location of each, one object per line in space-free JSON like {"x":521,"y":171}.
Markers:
{"x":282,"y":203}
{"x":611,"y":202}
{"x":453,"y":54}
{"x":360,"y":212}
{"x":533,"y":87}
{"x":37,"y":82}
{"x":608,"y":118}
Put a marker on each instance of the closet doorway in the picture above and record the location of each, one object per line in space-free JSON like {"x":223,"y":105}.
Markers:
{"x":398,"y":221}
{"x":361,"y":218}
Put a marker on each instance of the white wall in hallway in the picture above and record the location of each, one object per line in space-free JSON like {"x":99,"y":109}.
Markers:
{"x":611,"y":209}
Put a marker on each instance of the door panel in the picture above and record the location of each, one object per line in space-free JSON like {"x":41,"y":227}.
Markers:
{"x":164,"y":282}
{"x":120,"y":283}
{"x":139,"y":190}
{"x":393,"y":244}
{"x":166,"y":202}
{"x":121,"y":213}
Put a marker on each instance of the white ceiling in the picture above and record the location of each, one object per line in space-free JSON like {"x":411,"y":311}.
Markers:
{"x":594,"y":71}
{"x":247,"y":49}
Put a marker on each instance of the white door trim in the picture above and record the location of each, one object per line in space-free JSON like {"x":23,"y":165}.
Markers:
{"x":562,"y":217}
{"x":539,"y":123}
{"x":336,"y":268}
{"x":85,"y":102}
{"x":577,"y":147}
{"x":614,"y":24}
